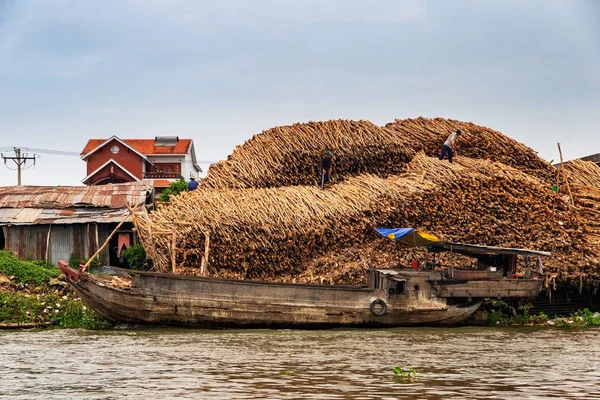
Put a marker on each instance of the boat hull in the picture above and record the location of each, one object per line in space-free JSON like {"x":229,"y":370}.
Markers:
{"x":163,"y":299}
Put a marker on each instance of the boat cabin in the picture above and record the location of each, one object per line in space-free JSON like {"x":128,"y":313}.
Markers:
{"x":495,"y":274}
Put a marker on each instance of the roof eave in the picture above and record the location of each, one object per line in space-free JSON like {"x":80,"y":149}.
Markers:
{"x":104,"y":165}
{"x":89,"y":153}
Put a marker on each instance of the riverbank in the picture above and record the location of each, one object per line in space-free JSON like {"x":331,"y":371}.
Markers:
{"x":34,"y":294}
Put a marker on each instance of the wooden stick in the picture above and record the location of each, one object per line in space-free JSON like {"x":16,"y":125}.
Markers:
{"x":87,"y":264}
{"x":154,"y":258}
{"x":564,"y":174}
{"x":97,"y":236}
{"x":48,"y":242}
{"x":204,"y":265}
{"x":173,"y":253}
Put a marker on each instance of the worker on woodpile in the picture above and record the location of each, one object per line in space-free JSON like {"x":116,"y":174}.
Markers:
{"x":326,"y":168}
{"x":450,"y":145}
{"x":192,"y":184}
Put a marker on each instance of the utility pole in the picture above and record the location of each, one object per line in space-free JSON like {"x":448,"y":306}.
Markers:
{"x":21,"y":161}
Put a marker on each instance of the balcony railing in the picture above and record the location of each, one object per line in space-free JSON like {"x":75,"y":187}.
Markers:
{"x":162,"y":175}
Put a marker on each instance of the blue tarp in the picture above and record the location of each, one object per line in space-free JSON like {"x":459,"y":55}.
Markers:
{"x":408,"y":237}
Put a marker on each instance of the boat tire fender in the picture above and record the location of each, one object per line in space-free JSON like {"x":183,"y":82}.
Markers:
{"x":378,"y":307}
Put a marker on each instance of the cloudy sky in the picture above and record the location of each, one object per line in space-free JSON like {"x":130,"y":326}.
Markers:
{"x":220,"y":71}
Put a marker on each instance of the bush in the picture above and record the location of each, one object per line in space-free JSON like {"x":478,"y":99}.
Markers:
{"x":75,"y":261}
{"x":174,"y":189}
{"x":27,"y":271}
{"x":135,"y":256}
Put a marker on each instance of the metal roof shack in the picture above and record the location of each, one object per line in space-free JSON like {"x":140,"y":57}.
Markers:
{"x":108,"y":196}
{"x":51,"y":222}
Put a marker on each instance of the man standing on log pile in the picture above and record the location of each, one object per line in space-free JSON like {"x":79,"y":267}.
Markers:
{"x":326,"y":168}
{"x":450,"y":145}
{"x":192,"y":184}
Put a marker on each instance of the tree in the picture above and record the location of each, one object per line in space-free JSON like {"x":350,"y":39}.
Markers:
{"x":173,"y":190}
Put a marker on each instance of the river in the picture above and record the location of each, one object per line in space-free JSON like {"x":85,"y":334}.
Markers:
{"x":458,"y":363}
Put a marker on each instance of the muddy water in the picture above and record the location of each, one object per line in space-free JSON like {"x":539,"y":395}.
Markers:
{"x":462,"y":363}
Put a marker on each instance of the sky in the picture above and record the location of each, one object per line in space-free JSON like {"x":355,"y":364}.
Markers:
{"x":219,"y":72}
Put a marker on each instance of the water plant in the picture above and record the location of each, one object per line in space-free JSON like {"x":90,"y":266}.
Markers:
{"x":65,"y":311}
{"x":405,"y":376}
{"x":34,"y":295}
{"x":579,"y":319}
{"x":26,"y":271}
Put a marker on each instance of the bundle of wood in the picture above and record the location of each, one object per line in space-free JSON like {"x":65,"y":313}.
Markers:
{"x":428,"y":135}
{"x":291,"y":155}
{"x":278,"y":233}
{"x":582,"y":173}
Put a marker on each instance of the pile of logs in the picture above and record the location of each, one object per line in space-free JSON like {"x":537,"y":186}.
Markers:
{"x":259,"y":214}
{"x":291,"y":155}
{"x":582,"y":173}
{"x":428,"y":135}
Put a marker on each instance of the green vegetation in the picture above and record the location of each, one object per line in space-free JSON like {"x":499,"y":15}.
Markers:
{"x":26,"y":271}
{"x":136,"y":257}
{"x":46,"y":307}
{"x":405,"y":376}
{"x":579,"y":319}
{"x":31,"y":293}
{"x":174,"y":189}
{"x":502,"y":313}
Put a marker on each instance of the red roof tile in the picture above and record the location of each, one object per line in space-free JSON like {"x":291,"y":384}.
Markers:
{"x":144,"y":146}
{"x":161,"y":183}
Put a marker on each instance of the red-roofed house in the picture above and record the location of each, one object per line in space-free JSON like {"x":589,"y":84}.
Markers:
{"x":163,"y":159}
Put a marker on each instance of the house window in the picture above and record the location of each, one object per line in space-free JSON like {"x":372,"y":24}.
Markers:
{"x":114,"y":149}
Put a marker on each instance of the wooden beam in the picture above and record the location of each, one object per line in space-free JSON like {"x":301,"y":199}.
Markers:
{"x":48,"y":242}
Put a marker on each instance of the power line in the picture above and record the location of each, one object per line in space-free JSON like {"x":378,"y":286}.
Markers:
{"x":47,"y":151}
{"x":20,"y":161}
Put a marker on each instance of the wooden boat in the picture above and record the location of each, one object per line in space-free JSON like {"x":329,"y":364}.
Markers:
{"x":392,"y":297}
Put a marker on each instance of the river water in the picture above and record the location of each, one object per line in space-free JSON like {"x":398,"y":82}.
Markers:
{"x":458,"y":363}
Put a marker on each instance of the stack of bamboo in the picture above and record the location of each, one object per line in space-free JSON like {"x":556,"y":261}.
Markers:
{"x":290,"y":155}
{"x":259,"y":214}
{"x":584,"y":177}
{"x":428,"y":135}
{"x":278,"y":233}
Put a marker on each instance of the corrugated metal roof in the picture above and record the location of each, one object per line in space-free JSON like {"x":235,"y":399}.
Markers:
{"x":111,"y":196}
{"x":61,"y":216}
{"x":27,"y":215}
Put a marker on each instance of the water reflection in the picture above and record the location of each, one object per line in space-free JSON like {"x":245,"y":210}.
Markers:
{"x":473,"y":363}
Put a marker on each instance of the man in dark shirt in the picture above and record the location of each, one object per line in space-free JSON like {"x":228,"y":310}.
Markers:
{"x":326,"y":168}
{"x":192,"y":184}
